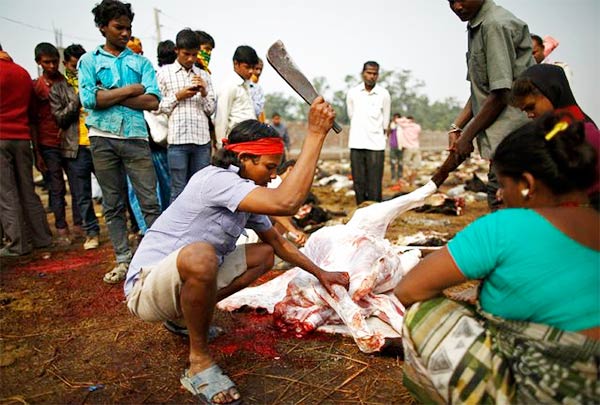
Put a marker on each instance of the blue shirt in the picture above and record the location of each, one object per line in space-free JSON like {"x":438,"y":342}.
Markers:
{"x":100,"y":70}
{"x":205,"y":211}
{"x":531,"y":270}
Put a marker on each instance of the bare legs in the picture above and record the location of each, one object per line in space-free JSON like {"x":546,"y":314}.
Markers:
{"x":198,"y":267}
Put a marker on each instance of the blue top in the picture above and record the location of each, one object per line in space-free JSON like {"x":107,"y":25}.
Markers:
{"x":205,"y":211}
{"x":531,"y":270}
{"x":100,"y":70}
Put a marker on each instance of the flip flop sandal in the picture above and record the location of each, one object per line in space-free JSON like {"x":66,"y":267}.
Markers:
{"x":213,"y":331}
{"x":208,"y":383}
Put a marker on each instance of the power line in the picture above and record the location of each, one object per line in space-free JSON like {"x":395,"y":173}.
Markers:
{"x":35,"y":27}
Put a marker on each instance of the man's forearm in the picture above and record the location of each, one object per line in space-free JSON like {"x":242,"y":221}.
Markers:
{"x":493,"y":105}
{"x":147,"y":102}
{"x":464,"y":116}
{"x":108,"y":98}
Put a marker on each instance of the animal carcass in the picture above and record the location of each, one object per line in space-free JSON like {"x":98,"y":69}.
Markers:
{"x":300,"y":304}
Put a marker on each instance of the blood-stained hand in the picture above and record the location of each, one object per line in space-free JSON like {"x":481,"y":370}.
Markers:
{"x":328,"y":279}
{"x":320,"y":116}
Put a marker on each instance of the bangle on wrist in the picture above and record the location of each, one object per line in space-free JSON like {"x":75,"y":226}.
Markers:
{"x":454,"y":128}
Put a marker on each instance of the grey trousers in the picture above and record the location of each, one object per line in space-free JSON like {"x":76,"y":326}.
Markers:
{"x":21,"y":212}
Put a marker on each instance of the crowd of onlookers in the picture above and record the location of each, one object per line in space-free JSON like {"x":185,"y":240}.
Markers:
{"x":106,"y":117}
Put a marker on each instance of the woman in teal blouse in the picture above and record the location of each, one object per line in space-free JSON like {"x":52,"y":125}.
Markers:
{"x":534,"y":333}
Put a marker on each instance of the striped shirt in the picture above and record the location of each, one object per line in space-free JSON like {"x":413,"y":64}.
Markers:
{"x":188,"y":119}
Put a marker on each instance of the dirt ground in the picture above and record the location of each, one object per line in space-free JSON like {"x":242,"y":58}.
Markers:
{"x":66,"y":337}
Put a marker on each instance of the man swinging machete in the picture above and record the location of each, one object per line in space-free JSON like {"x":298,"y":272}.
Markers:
{"x":188,"y":260}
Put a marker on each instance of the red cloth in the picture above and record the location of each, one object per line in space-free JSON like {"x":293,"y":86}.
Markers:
{"x":259,"y":147}
{"x":15,"y":100}
{"x":48,"y":131}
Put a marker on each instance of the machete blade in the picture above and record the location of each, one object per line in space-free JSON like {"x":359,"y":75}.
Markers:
{"x":280,"y":59}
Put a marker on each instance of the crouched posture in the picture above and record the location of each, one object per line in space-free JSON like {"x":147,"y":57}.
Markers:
{"x":533,"y":337}
{"x":188,"y":259}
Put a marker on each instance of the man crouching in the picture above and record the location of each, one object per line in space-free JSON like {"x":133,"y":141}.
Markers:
{"x":188,"y":260}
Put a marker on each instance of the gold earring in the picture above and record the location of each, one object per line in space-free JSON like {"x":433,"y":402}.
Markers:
{"x":525,"y":193}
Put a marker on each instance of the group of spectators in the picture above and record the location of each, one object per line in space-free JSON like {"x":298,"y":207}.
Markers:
{"x":112,"y":114}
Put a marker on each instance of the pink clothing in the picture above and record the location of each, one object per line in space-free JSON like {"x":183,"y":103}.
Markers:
{"x":550,"y":44}
{"x":410,"y":134}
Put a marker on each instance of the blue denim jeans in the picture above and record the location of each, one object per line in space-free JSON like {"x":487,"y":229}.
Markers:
{"x":113,"y":160}
{"x":81,"y":169}
{"x":184,"y":161}
{"x":57,"y":164}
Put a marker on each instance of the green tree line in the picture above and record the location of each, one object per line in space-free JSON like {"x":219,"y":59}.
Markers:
{"x":405,"y":92}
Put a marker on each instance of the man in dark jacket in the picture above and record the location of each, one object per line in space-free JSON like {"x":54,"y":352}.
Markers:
{"x":75,"y":143}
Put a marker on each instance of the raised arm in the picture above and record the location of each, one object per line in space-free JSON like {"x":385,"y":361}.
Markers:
{"x":290,"y":195}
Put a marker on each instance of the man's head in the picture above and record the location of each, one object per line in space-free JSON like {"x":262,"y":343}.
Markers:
{"x":370,"y":73}
{"x":114,"y":19}
{"x":244,"y":60}
{"x":165,"y":52}
{"x":187,"y":46}
{"x":207,"y":44}
{"x":71,"y":56}
{"x":47,"y":56}
{"x":538,"y":48}
{"x":258,"y":68}
{"x":135,"y":44}
{"x":255,"y":148}
{"x":466,"y":10}
{"x":276,"y":119}
{"x":285,"y":168}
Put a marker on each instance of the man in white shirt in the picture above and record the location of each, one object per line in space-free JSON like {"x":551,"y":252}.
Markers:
{"x":369,"y":111}
{"x":234,"y":103}
{"x":188,"y":100}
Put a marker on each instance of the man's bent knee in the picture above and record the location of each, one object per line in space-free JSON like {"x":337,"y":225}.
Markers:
{"x":198,"y":260}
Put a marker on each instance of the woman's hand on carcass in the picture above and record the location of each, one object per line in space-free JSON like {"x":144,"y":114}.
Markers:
{"x":328,"y":279}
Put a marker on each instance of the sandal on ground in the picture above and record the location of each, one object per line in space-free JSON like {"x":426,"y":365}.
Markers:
{"x":173,"y":327}
{"x":208,"y":383}
{"x":117,"y":274}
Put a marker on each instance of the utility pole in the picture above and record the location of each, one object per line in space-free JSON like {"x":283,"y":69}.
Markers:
{"x":157,"y":23}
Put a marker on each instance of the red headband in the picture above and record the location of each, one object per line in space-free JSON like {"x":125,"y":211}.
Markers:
{"x":262,"y":146}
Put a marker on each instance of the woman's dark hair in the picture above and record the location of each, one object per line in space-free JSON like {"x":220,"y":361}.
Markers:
{"x":522,"y":88}
{"x":45,"y":49}
{"x":165,"y":52}
{"x":73,"y":51}
{"x":248,"y":130}
{"x":566,"y":162}
{"x":110,"y":10}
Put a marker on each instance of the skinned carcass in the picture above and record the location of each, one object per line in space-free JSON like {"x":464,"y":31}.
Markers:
{"x":299,"y":302}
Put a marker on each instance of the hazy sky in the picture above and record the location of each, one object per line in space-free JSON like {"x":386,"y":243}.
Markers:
{"x":325,"y":38}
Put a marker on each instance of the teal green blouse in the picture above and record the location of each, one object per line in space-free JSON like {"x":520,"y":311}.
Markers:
{"x":530,"y":270}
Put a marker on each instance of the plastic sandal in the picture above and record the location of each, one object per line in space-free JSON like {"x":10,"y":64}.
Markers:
{"x":208,"y":383}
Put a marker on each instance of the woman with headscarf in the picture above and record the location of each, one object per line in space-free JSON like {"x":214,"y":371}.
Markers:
{"x":544,"y":88}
